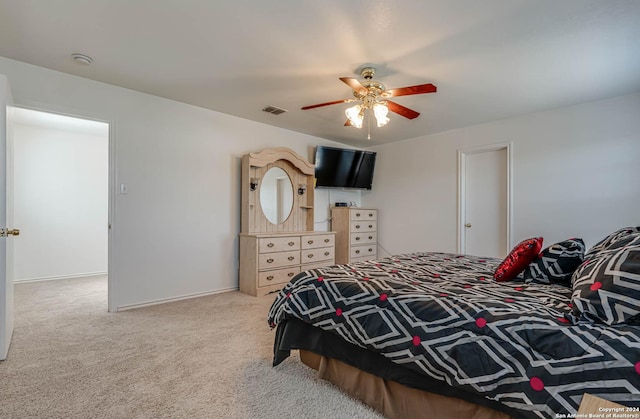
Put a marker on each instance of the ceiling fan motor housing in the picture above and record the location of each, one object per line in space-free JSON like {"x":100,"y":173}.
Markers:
{"x":374,"y":89}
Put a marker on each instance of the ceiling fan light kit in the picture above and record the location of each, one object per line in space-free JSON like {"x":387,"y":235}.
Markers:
{"x":380,"y":111}
{"x":373,"y":96}
{"x":355,"y":114}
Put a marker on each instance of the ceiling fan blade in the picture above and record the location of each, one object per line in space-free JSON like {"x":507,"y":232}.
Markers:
{"x":325,"y":104}
{"x":354,"y":84}
{"x":347,"y":123}
{"x":402,"y":110}
{"x":411,"y":90}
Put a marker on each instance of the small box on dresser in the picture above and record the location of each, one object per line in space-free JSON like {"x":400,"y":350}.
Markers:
{"x":356,"y":233}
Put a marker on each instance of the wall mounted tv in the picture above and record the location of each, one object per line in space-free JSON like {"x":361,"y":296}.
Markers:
{"x":344,"y":168}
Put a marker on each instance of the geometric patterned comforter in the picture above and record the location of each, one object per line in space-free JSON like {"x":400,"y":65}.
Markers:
{"x":444,"y":316}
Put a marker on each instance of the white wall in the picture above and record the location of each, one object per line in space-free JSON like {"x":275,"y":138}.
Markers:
{"x":575,"y":174}
{"x":60,"y":202}
{"x":175,"y":232}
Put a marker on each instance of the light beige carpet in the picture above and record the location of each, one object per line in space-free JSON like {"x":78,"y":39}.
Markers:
{"x":208,"y":357}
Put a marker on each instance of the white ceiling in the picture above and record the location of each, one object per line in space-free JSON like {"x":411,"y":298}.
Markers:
{"x":490,"y":59}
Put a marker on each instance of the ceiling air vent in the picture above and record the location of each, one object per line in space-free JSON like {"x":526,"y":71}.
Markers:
{"x":274,"y":110}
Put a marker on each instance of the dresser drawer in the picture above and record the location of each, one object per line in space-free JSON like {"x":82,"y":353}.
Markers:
{"x":313,"y":255}
{"x":277,"y":260}
{"x":323,"y":240}
{"x":363,"y":238}
{"x":363,"y":214}
{"x":277,"y":276}
{"x":366,"y":252}
{"x":363,"y":226}
{"x":278,"y":244}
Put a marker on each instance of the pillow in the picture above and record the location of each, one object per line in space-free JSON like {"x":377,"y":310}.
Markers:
{"x":556,"y":264}
{"x":611,"y":240}
{"x":606,"y":286}
{"x":518,"y":259}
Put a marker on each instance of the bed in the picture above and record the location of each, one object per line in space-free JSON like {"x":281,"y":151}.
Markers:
{"x":441,"y":326}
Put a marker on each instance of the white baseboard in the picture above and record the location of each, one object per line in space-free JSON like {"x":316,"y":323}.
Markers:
{"x":173,"y":299}
{"x":54,"y":278}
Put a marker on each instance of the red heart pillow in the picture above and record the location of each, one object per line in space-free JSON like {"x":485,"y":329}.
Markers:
{"x":518,"y":259}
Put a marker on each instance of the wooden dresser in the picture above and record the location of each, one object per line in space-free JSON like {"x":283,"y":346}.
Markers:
{"x":356,"y":233}
{"x":271,"y":260}
{"x":277,"y":239}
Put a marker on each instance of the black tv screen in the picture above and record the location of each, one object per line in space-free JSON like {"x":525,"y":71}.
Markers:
{"x":344,"y":168}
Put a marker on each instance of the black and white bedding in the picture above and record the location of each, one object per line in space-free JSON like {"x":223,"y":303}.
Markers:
{"x":443,"y":316}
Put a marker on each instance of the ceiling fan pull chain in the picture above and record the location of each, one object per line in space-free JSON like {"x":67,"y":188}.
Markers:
{"x":369,"y":127}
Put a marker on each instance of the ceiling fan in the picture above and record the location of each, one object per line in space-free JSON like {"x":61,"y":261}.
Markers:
{"x":372,"y":95}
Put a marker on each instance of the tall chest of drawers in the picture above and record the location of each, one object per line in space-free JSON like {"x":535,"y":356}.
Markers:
{"x":356,"y":233}
{"x":268,"y":261}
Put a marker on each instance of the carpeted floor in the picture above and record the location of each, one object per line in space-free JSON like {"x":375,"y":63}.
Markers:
{"x":208,"y":357}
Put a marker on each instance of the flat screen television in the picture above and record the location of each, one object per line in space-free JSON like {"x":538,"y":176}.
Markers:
{"x":344,"y":168}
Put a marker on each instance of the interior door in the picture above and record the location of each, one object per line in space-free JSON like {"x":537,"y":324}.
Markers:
{"x":485,"y":203}
{"x":6,"y":218}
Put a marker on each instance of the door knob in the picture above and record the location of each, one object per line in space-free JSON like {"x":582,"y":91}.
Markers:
{"x":468,"y":225}
{"x":4,"y":232}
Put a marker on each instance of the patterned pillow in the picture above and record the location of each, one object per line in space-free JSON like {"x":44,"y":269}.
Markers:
{"x":556,"y":263}
{"x":606,"y":287}
{"x":518,"y":259}
{"x":611,"y":240}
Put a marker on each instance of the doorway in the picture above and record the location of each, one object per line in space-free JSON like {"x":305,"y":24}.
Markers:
{"x":484,"y":200}
{"x":61,"y":196}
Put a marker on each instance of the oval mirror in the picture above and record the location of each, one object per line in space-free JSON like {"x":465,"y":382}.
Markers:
{"x":276,"y":195}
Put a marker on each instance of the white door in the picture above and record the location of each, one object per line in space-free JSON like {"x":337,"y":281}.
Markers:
{"x":6,"y":219}
{"x":485,"y":202}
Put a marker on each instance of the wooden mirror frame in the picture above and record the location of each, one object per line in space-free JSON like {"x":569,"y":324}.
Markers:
{"x":302,"y":175}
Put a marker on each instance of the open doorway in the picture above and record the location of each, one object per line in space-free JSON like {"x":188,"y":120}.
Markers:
{"x":60,"y":197}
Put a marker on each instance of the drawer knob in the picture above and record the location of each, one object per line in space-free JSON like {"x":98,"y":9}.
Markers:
{"x":370,"y":225}
{"x":327,"y":240}
{"x":370,"y":215}
{"x":370,"y":237}
{"x":291,"y":243}
{"x":370,"y":250}
{"x":290,"y":274}
{"x":326,"y":253}
{"x":357,"y":214}
{"x":269,"y":260}
{"x":270,"y":278}
{"x":358,"y":238}
{"x":270,"y":245}
{"x":310,"y":242}
{"x":310,"y":255}
{"x":357,"y":252}
{"x":291,"y":258}
{"x":357,"y":225}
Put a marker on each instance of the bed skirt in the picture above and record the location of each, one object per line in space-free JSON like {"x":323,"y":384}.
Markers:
{"x":392,"y":399}
{"x":389,"y":388}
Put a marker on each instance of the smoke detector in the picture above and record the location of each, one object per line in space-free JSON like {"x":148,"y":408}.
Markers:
{"x":81,"y":58}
